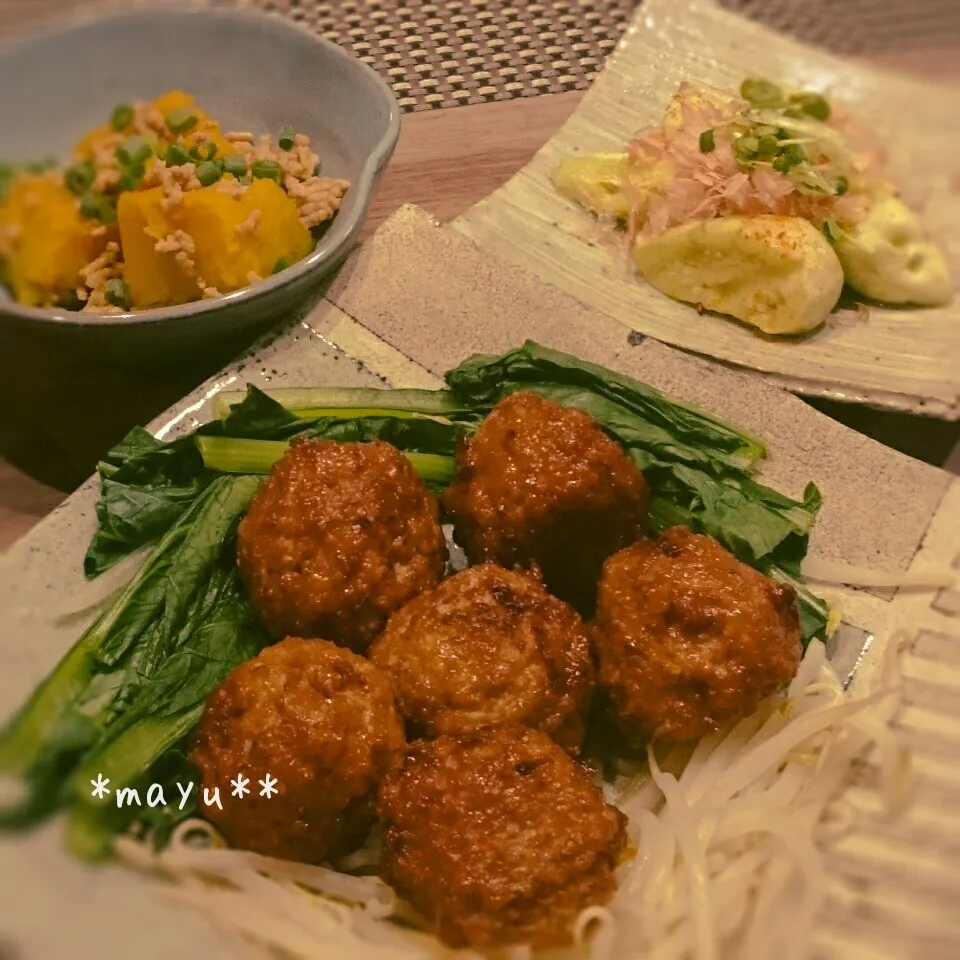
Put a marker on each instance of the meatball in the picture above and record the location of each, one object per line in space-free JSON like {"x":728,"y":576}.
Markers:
{"x":319,"y":719}
{"x":689,"y":638}
{"x":516,"y":841}
{"x":340,"y":536}
{"x":485,"y":647}
{"x":542,"y":485}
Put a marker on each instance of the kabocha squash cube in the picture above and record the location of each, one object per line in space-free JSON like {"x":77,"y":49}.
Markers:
{"x":225,"y":256}
{"x":53,"y":241}
{"x":154,"y":278}
{"x":279,"y":234}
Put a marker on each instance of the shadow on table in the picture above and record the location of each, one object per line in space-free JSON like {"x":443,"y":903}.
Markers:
{"x":59,"y":411}
{"x":923,"y":438}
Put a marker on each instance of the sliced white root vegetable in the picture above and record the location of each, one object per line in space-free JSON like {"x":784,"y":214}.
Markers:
{"x":830,"y":571}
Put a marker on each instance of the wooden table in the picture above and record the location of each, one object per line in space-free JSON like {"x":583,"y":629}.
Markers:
{"x":60,"y":416}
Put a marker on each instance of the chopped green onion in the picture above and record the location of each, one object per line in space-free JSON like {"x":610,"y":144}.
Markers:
{"x":761,"y":93}
{"x":98,"y":207}
{"x":266,"y":170}
{"x":236,"y":165}
{"x":843,"y":185}
{"x":795,"y":154}
{"x":832,"y":230}
{"x":746,"y":148}
{"x":108,"y":209}
{"x":767,"y":146}
{"x":208,"y":172}
{"x":206,"y":150}
{"x":90,"y":205}
{"x":117,"y":293}
{"x":281,"y":265}
{"x":79,"y":177}
{"x":122,"y":117}
{"x":133,"y":151}
{"x":812,"y":104}
{"x":132,"y":177}
{"x":707,"y":143}
{"x":181,"y":120}
{"x":286,"y":139}
{"x":176,"y":156}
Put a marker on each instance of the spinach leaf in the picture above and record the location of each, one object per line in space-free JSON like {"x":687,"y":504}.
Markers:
{"x":484,"y":380}
{"x":117,"y":693}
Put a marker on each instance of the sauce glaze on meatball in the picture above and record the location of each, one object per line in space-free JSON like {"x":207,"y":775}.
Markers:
{"x":485,"y":647}
{"x":542,"y":485}
{"x":319,"y":719}
{"x":340,"y":536}
{"x":689,"y":638}
{"x":517,"y":841}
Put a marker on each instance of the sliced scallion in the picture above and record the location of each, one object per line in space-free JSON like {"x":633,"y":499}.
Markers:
{"x":78,"y":177}
{"x":176,"y":156}
{"x":266,"y":170}
{"x":236,"y":165}
{"x":133,"y":151}
{"x":122,"y":117}
{"x":286,"y":139}
{"x":117,"y":293}
{"x":707,"y":142}
{"x":181,"y":120}
{"x":209,"y":172}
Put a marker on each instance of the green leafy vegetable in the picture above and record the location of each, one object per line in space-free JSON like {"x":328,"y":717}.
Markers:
{"x":134,"y":683}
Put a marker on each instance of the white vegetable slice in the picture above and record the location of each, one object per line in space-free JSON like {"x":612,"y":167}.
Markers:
{"x":887,"y":257}
{"x":831,"y":571}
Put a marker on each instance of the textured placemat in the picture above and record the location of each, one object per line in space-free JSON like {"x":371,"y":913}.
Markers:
{"x":451,"y":54}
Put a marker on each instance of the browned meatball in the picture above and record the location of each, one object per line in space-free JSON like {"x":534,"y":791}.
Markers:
{"x":689,"y":638}
{"x":340,"y":536}
{"x":498,"y":837}
{"x":542,"y":485}
{"x":485,"y":647}
{"x":321,"y":721}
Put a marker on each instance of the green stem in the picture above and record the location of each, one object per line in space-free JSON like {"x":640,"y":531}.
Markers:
{"x":352,"y":402}
{"x":231,"y":455}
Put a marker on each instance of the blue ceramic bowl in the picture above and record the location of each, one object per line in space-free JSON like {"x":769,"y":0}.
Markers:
{"x":250,"y":71}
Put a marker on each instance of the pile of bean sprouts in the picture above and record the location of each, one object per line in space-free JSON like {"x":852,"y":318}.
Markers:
{"x":730,"y":842}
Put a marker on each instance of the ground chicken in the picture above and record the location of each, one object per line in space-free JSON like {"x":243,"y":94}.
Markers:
{"x":340,"y":536}
{"x":689,"y":638}
{"x":498,"y":837}
{"x":321,"y":721}
{"x":542,"y":485}
{"x":488,"y":646}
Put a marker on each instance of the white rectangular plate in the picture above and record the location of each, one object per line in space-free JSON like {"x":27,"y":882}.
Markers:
{"x":899,"y":359}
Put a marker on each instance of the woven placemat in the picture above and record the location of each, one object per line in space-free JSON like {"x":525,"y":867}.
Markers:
{"x":450,"y":54}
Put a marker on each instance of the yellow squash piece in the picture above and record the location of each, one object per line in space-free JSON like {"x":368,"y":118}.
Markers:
{"x":227,"y":254}
{"x":887,"y":257}
{"x":154,"y":278}
{"x":53,"y":241}
{"x":279,"y":235}
{"x":608,"y":184}
{"x":779,"y":274}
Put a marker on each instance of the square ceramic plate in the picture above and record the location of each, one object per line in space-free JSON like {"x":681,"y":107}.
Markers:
{"x":410,"y":304}
{"x":899,"y":359}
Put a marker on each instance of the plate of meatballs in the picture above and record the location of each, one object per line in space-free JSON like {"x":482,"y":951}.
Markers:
{"x":507,"y":711}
